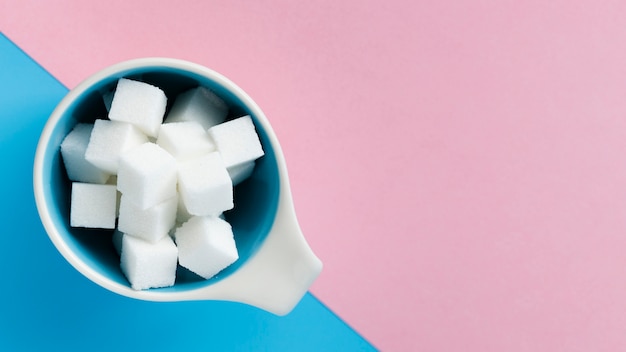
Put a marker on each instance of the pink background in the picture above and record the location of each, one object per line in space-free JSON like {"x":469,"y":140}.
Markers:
{"x":458,"y":166}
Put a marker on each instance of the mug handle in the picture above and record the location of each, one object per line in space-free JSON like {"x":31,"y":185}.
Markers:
{"x":279,"y":274}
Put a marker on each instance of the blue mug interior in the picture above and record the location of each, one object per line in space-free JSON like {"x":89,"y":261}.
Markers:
{"x":256,"y":199}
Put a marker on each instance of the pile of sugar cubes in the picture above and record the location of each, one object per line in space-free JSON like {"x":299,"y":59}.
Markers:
{"x":161,"y":182}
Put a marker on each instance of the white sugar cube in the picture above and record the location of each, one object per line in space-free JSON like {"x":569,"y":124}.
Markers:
{"x":93,"y":206}
{"x":206,"y":245}
{"x":109,"y":139}
{"x":237,"y":141}
{"x":239,"y":173}
{"x":149,"y":265}
{"x":150,"y":224}
{"x":200,"y":105}
{"x":73,"y":150}
{"x":140,"y":104}
{"x":147,"y":175}
{"x":185,"y":140}
{"x":205,"y":186}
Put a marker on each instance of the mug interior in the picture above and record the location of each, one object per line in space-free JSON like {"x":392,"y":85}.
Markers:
{"x":256,"y":199}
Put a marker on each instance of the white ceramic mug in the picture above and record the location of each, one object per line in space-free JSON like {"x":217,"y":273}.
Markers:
{"x":276,"y":265}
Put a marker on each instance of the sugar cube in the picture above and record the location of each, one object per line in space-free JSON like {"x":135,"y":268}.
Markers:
{"x":206,"y":245}
{"x":110,"y":139}
{"x":93,"y":205}
{"x":140,"y":104}
{"x":73,"y":150}
{"x":149,"y":224}
{"x":185,"y":140}
{"x":237,"y":141}
{"x":205,"y":186}
{"x":200,"y":105}
{"x":147,"y":175}
{"x":149,"y":265}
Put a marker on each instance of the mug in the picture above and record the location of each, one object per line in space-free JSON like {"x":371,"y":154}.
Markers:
{"x":276,"y":266}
